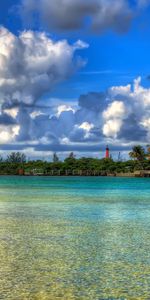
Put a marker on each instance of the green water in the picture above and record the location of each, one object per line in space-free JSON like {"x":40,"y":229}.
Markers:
{"x":74,"y":238}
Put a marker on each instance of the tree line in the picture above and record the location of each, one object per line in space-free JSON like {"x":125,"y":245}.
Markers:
{"x":17,"y":163}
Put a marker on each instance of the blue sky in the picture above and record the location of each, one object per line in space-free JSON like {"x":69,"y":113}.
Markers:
{"x":112,"y":58}
{"x":113,"y":52}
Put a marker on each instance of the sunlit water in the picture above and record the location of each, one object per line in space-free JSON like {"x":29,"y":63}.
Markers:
{"x":74,"y":238}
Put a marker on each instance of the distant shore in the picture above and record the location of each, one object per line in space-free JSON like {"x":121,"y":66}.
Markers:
{"x":17,"y":164}
{"x":140,"y":174}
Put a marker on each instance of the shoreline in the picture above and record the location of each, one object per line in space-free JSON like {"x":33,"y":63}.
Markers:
{"x":65,"y":176}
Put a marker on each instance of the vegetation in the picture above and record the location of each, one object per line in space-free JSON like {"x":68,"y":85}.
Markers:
{"x":16,"y":157}
{"x":138,"y":153}
{"x":16,"y":163}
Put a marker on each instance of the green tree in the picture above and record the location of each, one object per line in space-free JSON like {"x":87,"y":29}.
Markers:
{"x":70,"y":162}
{"x":71,"y":155}
{"x":16,"y":157}
{"x":148,"y":152}
{"x":137,"y":153}
{"x":55,"y":158}
{"x":148,"y":148}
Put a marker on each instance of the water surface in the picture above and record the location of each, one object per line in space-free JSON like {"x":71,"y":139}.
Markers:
{"x":74,"y":238}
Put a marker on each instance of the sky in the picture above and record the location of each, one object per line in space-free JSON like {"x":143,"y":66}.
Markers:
{"x":74,"y":76}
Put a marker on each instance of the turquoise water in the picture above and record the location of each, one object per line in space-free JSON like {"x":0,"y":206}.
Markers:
{"x":74,"y":238}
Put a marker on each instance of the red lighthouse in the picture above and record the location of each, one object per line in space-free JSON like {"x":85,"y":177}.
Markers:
{"x":107,"y":155}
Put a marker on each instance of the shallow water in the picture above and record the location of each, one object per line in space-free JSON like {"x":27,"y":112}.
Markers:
{"x":74,"y":238}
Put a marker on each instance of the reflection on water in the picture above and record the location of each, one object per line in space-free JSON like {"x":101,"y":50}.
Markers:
{"x":74,"y":238}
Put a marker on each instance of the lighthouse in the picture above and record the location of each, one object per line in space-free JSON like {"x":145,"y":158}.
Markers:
{"x":107,"y":155}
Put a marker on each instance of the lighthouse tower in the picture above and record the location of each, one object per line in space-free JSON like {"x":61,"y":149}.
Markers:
{"x":107,"y":154}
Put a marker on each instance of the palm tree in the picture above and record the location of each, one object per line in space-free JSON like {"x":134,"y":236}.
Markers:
{"x":137,"y":153}
{"x":148,"y":148}
{"x":148,"y":152}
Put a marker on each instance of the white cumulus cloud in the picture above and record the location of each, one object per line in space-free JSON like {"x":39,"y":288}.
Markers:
{"x":32,"y":64}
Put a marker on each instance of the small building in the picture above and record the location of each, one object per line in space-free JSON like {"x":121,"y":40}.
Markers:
{"x":21,"y":172}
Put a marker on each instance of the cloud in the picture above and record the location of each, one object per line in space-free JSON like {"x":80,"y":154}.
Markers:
{"x":66,"y":15}
{"x":119,"y":116}
{"x":115,"y":110}
{"x":133,"y":131}
{"x":112,"y":127}
{"x":62,"y":108}
{"x":6,"y":119}
{"x":82,"y":133}
{"x":31,"y":64}
{"x":127,"y":119}
{"x":114,"y":116}
{"x":8,"y":134}
{"x":50,"y":148}
{"x":9,"y":128}
{"x":93,"y":101}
